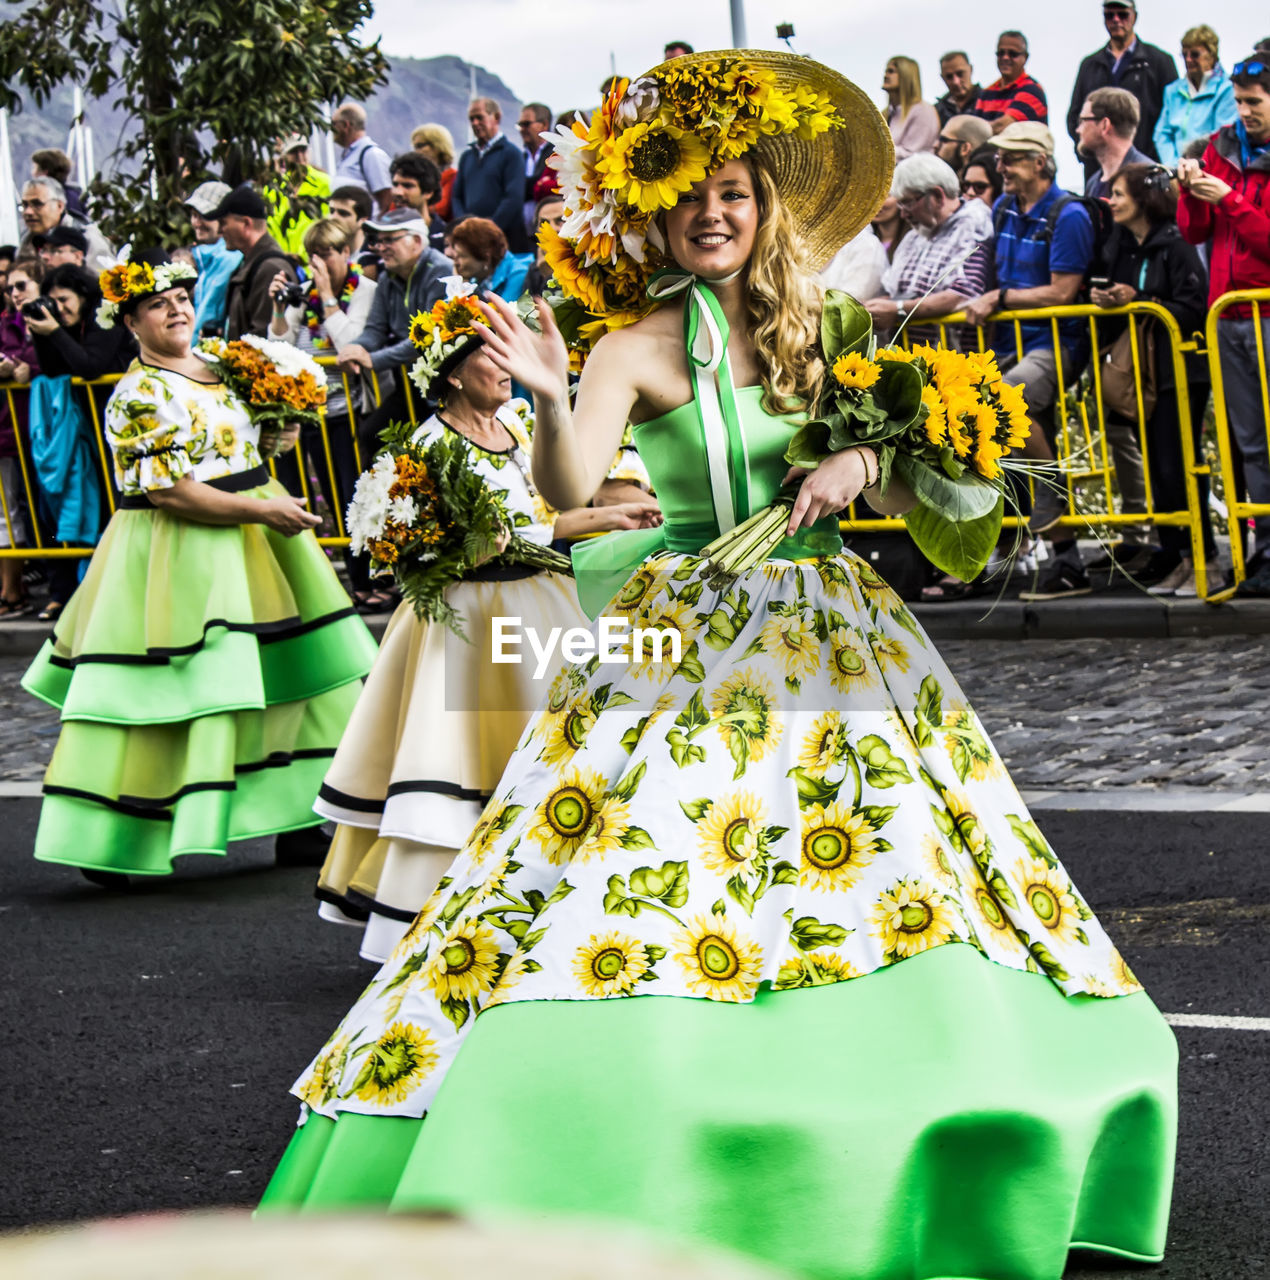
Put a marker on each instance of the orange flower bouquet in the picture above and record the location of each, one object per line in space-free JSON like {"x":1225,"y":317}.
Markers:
{"x":282,"y":387}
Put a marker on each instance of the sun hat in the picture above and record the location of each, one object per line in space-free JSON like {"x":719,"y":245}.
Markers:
{"x":1024,"y":135}
{"x":822,"y":137}
{"x":134,"y":278}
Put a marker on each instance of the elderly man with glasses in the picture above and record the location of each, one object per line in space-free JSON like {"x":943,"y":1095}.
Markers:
{"x":412,"y":280}
{"x":944,"y":261}
{"x":44,"y":207}
{"x":1014,"y":96}
{"x":1124,"y":62}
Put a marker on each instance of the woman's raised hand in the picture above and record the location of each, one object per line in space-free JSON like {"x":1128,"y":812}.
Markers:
{"x":538,"y":361}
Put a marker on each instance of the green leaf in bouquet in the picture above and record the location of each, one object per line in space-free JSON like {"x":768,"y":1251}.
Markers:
{"x":958,"y":547}
{"x":957,"y":500}
{"x":845,"y":326}
{"x":952,"y":465}
{"x":862,"y":410}
{"x":810,"y":444}
{"x":570,"y":315}
{"x":899,"y":392}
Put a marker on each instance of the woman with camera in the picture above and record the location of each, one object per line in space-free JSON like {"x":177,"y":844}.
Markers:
{"x":206,"y":666}
{"x":1147,"y":259}
{"x":68,"y":339}
{"x":18,"y":364}
{"x":70,"y":343}
{"x":323,"y":315}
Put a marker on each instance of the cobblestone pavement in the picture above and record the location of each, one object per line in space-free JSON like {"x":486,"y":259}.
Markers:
{"x":1066,"y":715}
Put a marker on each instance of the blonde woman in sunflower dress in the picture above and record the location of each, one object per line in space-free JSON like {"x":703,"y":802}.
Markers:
{"x":772,"y":954}
{"x":209,"y":661}
{"x":439,"y":717}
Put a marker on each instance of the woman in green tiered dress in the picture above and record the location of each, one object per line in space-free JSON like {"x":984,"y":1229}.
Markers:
{"x":207,"y":664}
{"x":759,"y":945}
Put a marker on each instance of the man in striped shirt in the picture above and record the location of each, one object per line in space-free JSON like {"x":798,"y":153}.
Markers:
{"x":945,"y":260}
{"x":1015,"y":96}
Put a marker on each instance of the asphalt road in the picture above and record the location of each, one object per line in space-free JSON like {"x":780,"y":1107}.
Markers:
{"x":150,"y":1037}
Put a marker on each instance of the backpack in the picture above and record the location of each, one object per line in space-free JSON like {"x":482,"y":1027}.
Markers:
{"x":1099,"y":214}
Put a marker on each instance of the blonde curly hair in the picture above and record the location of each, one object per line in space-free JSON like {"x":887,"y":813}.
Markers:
{"x":785,"y":301}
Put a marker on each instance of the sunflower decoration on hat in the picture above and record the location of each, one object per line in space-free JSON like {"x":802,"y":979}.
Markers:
{"x":656,"y":136}
{"x":446,"y":335}
{"x":129,"y":282}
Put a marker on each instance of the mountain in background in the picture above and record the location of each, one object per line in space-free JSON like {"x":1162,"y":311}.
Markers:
{"x":419,"y":91}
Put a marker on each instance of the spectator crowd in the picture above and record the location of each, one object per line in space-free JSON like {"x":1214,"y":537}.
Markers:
{"x":1173,"y":210}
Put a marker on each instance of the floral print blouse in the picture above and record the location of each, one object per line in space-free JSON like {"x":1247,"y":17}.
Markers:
{"x":162,"y":426}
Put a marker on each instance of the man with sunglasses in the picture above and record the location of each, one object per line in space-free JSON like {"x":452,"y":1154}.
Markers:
{"x":959,"y":139}
{"x":1226,"y":198}
{"x":1015,"y":95}
{"x":1124,"y":62}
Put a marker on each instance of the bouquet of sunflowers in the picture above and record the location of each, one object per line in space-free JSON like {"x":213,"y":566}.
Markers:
{"x":942,"y":421}
{"x":279,"y":384}
{"x":425,"y":515}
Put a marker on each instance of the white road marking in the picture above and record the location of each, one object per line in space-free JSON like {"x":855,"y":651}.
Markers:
{"x":1217,"y":1022}
{"x":20,"y":790}
{"x":1151,"y":800}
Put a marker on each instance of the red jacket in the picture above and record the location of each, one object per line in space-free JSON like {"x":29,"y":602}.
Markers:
{"x":1239,"y":226}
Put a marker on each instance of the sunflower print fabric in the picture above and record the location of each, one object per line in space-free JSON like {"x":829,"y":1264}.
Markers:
{"x":802,"y":798}
{"x":162,"y":427}
{"x":507,"y":473}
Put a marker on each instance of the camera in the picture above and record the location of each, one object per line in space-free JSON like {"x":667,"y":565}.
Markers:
{"x":38,"y":308}
{"x":291,"y":295}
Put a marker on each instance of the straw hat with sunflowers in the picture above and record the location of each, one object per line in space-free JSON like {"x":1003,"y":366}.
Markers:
{"x":652,"y":138}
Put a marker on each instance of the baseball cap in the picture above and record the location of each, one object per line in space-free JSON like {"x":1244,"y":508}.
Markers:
{"x":292,"y":142}
{"x":61,"y":234}
{"x":399,"y":220}
{"x":206,"y":197}
{"x":1120,"y":4}
{"x":243,"y":200}
{"x":1025,"y":135}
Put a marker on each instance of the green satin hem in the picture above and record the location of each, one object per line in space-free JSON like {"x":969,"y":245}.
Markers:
{"x":946,"y":1117}
{"x":232,"y":671}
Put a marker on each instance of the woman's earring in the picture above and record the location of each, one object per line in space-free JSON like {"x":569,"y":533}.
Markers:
{"x":458,"y":386}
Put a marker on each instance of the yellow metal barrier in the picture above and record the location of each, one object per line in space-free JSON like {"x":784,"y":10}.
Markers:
{"x":40,"y":549}
{"x":1238,"y":509}
{"x":1083,"y":456}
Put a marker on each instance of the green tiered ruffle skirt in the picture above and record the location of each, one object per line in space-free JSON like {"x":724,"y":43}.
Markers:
{"x":204,"y":676}
{"x":944,"y":1118}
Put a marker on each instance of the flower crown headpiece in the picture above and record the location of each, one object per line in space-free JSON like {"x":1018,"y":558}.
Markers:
{"x":127,"y":281}
{"x":443,"y":332}
{"x":650,"y":140}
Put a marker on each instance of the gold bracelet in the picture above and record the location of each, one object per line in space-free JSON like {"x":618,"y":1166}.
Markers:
{"x":868,"y":483}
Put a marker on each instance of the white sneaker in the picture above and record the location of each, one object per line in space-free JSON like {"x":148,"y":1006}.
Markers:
{"x":1187,"y":591}
{"x":1180,"y":582}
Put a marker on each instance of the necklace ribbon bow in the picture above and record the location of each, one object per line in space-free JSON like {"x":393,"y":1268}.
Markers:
{"x":714,"y":395}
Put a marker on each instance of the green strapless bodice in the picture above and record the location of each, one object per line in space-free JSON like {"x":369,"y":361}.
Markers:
{"x":672,"y":449}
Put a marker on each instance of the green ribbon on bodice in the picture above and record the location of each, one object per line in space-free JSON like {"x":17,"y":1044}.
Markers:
{"x":602,"y":565}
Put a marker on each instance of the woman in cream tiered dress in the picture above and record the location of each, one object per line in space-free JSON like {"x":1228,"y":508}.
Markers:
{"x":439,"y":718}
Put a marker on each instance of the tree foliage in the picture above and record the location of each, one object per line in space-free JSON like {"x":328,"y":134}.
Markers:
{"x":209,"y":85}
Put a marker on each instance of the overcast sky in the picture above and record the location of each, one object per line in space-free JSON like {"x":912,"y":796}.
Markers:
{"x":558,"y":51}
